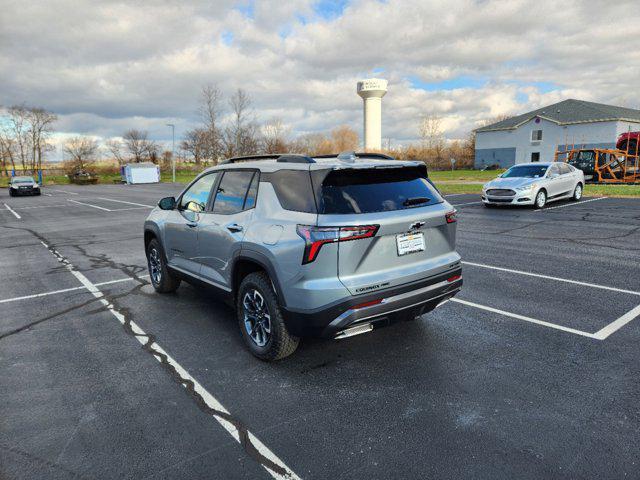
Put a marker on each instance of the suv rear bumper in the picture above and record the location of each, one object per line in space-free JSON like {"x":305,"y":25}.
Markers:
{"x":407,"y":300}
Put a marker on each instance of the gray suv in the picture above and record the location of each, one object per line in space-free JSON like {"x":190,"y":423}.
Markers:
{"x":330,"y":246}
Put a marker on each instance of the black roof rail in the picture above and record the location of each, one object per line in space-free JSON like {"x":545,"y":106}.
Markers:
{"x":280,"y":157}
{"x":251,"y":157}
{"x":358,"y":155}
{"x":294,"y":158}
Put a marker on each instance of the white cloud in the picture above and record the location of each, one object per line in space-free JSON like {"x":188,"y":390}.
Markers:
{"x":108,"y":66}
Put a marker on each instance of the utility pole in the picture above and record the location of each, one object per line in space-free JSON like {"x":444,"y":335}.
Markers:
{"x":173,"y":151}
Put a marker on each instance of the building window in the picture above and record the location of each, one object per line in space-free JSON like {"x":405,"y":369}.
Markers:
{"x":536,"y":135}
{"x":535,"y":156}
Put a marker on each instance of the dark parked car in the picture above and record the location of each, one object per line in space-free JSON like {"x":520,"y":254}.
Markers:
{"x":23,"y":186}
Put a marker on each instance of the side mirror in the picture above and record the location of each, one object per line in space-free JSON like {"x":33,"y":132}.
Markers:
{"x":167,"y":203}
{"x":553,"y":175}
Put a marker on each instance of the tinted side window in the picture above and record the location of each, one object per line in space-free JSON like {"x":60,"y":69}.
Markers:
{"x":232,"y":192}
{"x":196,"y":197}
{"x":553,"y":169}
{"x":293,"y":189}
{"x":250,"y":201}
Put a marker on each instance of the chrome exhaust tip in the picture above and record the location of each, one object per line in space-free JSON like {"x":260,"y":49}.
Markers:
{"x":357,"y":330}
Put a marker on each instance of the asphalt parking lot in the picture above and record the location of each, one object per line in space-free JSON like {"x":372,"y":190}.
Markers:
{"x":531,"y":372}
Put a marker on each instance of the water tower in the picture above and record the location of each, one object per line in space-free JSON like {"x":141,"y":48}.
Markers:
{"x":372,"y":90}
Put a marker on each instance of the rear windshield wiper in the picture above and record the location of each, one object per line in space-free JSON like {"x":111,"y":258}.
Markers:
{"x":415,"y":201}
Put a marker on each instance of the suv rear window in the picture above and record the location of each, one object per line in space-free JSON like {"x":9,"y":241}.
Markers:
{"x":376,"y":190}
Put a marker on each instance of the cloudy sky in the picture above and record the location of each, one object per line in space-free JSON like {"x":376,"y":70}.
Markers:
{"x":108,"y":66}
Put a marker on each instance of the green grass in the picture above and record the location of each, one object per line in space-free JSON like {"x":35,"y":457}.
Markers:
{"x":182,"y":176}
{"x":463,"y":175}
{"x":612,"y":190}
{"x":449,"y":188}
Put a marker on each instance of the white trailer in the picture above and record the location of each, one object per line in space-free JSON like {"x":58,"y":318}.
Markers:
{"x":146,"y":172}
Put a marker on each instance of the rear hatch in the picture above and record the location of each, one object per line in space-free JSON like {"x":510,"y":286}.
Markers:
{"x":414,"y":230}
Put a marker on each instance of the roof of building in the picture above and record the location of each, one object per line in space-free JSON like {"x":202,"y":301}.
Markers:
{"x":568,"y":112}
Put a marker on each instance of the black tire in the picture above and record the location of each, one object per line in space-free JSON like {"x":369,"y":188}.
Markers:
{"x":275,"y":342}
{"x":11,"y":194}
{"x":162,"y":279}
{"x":536,"y":203}
{"x":577,"y":193}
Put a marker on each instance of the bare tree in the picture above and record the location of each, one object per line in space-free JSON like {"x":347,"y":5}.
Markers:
{"x":115,"y":148}
{"x":82,"y":152}
{"x":274,"y":136}
{"x":139,"y":146}
{"x":41,"y":123}
{"x":210,"y":112}
{"x":7,"y":149}
{"x":16,"y":128}
{"x":25,"y":131}
{"x":194,"y":144}
{"x":432,"y":135}
{"x":240,"y":137}
{"x":431,"y":132}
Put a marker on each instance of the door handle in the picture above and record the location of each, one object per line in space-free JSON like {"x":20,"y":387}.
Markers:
{"x":234,"y":227}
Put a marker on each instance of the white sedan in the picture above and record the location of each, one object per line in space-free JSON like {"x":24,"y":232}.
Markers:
{"x":534,"y":184}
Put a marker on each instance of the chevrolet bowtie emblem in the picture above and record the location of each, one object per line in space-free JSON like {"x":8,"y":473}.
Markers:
{"x":417,"y":225}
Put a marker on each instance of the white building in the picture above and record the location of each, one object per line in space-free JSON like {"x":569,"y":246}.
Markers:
{"x":534,"y":136}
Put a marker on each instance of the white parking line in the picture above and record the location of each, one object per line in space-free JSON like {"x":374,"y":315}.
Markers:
{"x":463,"y":204}
{"x":524,"y":318}
{"x":618,"y":324}
{"x":548,"y":277}
{"x":13,"y":211}
{"x":64,"y":191}
{"x":43,"y":206}
{"x":37,"y":295}
{"x":64,"y":290}
{"x":89,"y":205}
{"x":129,"y":203}
{"x":601,"y":334}
{"x":280,"y":472}
{"x":570,"y":204}
{"x":128,"y":208}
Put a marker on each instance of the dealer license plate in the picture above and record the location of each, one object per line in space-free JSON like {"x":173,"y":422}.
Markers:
{"x":410,"y":242}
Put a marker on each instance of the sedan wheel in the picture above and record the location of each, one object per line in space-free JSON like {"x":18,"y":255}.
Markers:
{"x":541,"y":199}
{"x":577,"y":193}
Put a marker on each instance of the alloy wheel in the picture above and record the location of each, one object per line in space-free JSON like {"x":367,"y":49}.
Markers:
{"x":257,"y":320}
{"x":541,"y":199}
{"x":155,"y":266}
{"x":577,"y":195}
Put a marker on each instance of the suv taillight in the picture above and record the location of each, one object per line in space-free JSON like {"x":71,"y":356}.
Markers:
{"x":315,"y":237}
